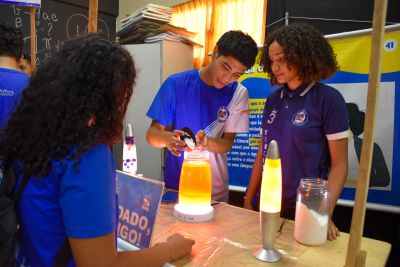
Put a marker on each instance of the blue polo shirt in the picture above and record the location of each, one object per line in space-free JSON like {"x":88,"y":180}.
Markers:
{"x":67,"y":203}
{"x":302,"y":122}
{"x":12,"y":82}
{"x":184,"y":100}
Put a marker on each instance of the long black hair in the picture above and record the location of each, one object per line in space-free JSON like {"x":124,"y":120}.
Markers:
{"x":73,"y":103}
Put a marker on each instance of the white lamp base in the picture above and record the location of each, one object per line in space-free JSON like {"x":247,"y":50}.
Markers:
{"x":193,"y":214}
{"x":267,"y":255}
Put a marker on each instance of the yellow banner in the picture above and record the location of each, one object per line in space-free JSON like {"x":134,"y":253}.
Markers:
{"x":353,"y":54}
{"x":256,"y":71}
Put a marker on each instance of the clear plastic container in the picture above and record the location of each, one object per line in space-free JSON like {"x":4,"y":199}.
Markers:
{"x":195,"y":179}
{"x":312,"y":211}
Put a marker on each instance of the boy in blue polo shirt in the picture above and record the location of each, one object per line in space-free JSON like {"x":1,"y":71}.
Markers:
{"x":308,"y":119}
{"x":211,"y":103}
{"x":12,"y":79}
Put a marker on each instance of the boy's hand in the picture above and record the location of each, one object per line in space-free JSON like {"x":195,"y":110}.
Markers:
{"x":173,"y":142}
{"x":201,"y":140}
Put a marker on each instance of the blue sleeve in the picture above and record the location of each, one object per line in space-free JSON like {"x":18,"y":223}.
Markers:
{"x":163,"y":107}
{"x":335,"y":118}
{"x":88,"y":196}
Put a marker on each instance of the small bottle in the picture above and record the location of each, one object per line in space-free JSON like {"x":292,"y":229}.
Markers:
{"x":312,"y":211}
{"x":129,"y":157}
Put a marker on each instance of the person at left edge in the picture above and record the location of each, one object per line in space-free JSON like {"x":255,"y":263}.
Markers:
{"x":211,"y":103}
{"x":12,"y":79}
{"x":59,"y":137}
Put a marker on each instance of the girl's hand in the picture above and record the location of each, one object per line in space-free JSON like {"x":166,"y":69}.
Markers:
{"x":333,"y":231}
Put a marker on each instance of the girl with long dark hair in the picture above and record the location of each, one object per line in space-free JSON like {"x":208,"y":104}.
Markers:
{"x":59,"y":138}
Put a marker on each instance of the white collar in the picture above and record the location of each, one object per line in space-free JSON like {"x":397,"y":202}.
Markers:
{"x":304,"y":91}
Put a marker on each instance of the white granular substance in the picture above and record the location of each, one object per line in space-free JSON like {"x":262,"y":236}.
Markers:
{"x":190,"y":143}
{"x":310,"y":227}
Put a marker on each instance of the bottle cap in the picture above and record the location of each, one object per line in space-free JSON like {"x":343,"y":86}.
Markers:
{"x":189,"y":138}
{"x":129,"y":131}
{"x":273,"y":150}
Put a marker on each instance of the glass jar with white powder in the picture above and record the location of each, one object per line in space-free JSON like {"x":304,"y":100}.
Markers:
{"x":312,"y":211}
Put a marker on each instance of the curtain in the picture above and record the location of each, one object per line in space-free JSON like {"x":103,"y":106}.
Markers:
{"x":211,"y":18}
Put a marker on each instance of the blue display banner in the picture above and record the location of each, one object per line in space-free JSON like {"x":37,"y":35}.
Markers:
{"x":245,"y":147}
{"x":384,"y":186}
{"x":138,"y":202}
{"x":22,"y":2}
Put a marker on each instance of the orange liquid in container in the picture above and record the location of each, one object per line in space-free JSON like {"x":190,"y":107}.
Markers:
{"x":195,"y":179}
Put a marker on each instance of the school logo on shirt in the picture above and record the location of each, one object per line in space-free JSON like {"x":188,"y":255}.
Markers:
{"x":5,"y":92}
{"x":300,"y":118}
{"x":223,"y":114}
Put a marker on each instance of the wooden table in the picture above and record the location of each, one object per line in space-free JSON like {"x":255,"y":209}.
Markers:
{"x":230,"y":238}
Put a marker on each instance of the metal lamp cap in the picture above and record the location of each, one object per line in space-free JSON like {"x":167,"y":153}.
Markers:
{"x":128,"y":130}
{"x":273,"y":150}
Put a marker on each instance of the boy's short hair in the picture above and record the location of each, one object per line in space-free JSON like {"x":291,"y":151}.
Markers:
{"x":11,"y":42}
{"x":239,"y":45}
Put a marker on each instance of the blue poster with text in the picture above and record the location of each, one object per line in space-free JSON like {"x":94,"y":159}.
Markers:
{"x":138,"y":202}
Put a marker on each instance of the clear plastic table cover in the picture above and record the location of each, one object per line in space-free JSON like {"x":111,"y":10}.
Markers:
{"x":227,"y":240}
{"x":230,"y":238}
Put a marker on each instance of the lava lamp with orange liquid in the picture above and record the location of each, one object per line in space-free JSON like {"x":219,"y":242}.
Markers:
{"x":195,"y":183}
{"x":194,"y":202}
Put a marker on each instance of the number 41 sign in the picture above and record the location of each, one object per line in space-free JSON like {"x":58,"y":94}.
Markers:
{"x":390,"y":45}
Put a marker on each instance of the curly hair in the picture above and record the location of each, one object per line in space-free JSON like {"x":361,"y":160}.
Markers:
{"x":305,"y":49}
{"x":238,"y":45}
{"x":73,"y":103}
{"x":11,"y":42}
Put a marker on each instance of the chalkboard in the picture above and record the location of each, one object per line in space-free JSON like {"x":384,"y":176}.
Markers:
{"x":56,"y":23}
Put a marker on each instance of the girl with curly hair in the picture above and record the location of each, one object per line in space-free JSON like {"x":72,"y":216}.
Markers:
{"x":308,"y":119}
{"x":59,"y":138}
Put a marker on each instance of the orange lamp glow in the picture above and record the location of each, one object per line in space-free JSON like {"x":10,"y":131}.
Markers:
{"x":194,"y":203}
{"x":195,"y":184}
